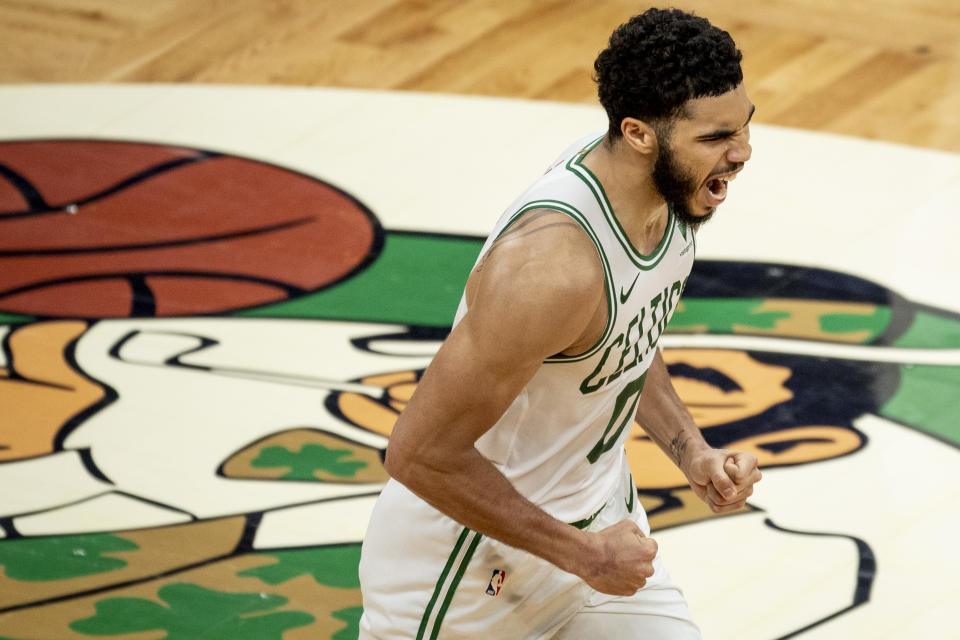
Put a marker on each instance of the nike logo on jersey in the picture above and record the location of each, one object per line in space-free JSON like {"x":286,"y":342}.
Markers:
{"x":624,"y":296}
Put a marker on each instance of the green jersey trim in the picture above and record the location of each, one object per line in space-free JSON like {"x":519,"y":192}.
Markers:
{"x":645,"y":262}
{"x":579,"y":218}
{"x":430,"y":629}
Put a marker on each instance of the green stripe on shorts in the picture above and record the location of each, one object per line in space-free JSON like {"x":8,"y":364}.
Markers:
{"x":446,"y":587}
{"x":454,"y":585}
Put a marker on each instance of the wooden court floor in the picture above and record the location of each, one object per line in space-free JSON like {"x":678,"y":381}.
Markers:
{"x":220,"y":281}
{"x":883,"y":69}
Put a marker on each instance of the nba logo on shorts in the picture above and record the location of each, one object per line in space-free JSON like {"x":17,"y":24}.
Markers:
{"x":496,"y":581}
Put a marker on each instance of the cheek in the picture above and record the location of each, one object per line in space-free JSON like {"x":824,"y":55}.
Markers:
{"x":697,"y":166}
{"x":709,"y":163}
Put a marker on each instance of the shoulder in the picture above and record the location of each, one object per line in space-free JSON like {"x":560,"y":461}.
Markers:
{"x":541,"y":279}
{"x":545,"y":248}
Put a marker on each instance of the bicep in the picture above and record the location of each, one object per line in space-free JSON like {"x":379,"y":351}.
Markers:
{"x":462,"y":394}
{"x":522,"y":310}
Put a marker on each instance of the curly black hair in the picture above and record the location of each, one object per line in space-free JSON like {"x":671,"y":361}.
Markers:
{"x":659,"y":60}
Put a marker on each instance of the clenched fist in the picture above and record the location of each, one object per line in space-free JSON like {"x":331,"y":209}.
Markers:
{"x":621,"y":561}
{"x":723,"y":479}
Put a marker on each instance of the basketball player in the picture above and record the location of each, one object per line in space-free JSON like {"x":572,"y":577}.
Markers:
{"x":511,"y":512}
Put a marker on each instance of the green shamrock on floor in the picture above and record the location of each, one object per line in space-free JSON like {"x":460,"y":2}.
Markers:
{"x":195,"y":613}
{"x":309,"y":459}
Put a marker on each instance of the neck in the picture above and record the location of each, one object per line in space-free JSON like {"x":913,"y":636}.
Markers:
{"x":627,"y":179}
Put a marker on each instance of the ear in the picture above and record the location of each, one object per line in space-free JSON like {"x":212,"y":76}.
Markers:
{"x":639,"y":135}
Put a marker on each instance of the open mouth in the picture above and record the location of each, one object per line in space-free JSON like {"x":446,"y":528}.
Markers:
{"x":717,"y":188}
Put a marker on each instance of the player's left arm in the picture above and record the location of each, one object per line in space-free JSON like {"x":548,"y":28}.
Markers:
{"x":722,"y":478}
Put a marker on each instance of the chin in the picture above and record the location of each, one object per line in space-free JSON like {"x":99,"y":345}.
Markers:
{"x":694,"y":215}
{"x":702,"y":220}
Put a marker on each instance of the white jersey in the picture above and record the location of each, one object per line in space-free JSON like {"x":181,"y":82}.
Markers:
{"x":560,"y":443}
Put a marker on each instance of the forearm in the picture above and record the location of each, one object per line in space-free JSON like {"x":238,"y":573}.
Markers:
{"x":665,"y":418}
{"x":723,"y":479}
{"x":469,"y":489}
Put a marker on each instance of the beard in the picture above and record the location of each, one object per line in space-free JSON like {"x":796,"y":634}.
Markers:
{"x":677,"y":186}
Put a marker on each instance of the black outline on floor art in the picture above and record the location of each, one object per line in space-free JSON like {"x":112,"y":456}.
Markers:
{"x":17,"y":180}
{"x":110,"y":396}
{"x":866,"y":572}
{"x":34,"y":198}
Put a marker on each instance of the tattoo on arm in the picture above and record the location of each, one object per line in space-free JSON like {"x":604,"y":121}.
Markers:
{"x":677,"y":446}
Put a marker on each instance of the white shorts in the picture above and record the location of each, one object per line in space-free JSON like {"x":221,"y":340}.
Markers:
{"x":426,"y":577}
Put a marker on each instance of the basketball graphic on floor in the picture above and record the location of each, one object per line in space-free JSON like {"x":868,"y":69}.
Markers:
{"x":102,"y":229}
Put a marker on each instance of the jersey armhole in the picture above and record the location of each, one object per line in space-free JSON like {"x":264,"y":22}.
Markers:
{"x":578,"y":217}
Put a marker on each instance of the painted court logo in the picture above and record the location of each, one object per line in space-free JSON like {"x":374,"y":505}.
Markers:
{"x":496,"y":581}
{"x":286,"y":336}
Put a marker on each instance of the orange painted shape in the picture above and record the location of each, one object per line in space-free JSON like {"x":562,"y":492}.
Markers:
{"x":650,"y":466}
{"x":46,"y":392}
{"x":367,"y":413}
{"x":390,"y":379}
{"x":380,"y":415}
{"x":761,"y":385}
{"x":653,"y":469}
{"x":799,"y":445}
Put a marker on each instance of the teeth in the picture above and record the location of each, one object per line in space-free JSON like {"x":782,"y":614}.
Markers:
{"x":727,"y":177}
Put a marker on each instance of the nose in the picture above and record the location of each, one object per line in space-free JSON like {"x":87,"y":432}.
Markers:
{"x":740,"y":150}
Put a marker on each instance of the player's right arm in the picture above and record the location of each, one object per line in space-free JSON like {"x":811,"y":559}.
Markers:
{"x":536,"y":293}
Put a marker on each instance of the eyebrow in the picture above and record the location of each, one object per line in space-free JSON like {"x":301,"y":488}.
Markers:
{"x":726,"y":133}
